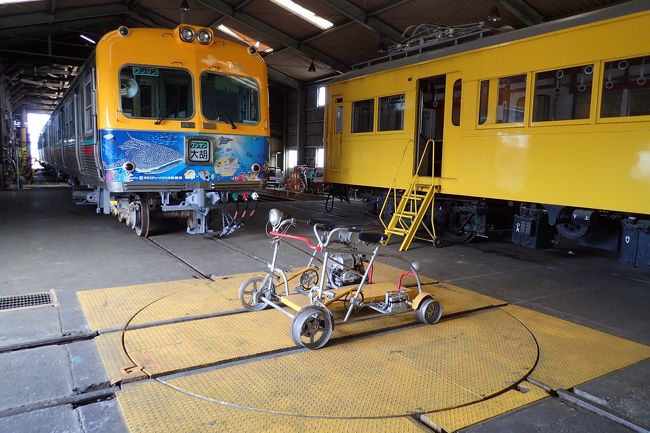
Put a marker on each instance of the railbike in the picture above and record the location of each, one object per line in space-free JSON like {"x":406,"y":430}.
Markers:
{"x":172,"y":122}
{"x":336,"y":283}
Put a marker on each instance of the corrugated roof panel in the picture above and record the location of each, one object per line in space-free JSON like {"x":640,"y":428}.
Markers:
{"x":295,"y":65}
{"x":350,"y":44}
{"x":441,"y":12}
{"x":553,"y":9}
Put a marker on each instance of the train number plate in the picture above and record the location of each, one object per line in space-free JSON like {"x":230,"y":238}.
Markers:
{"x":198,"y":150}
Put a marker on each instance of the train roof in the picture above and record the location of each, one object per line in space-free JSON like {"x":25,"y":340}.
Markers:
{"x":628,"y":8}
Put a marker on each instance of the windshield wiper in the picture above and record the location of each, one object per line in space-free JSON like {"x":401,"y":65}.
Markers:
{"x":229,"y":120}
{"x":167,"y":112}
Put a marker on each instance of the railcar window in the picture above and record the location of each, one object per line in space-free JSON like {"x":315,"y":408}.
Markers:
{"x":512,"y":99}
{"x":563,"y":94}
{"x":455,"y":103}
{"x":363,"y":113}
{"x":149,"y":92}
{"x":483,"y":104}
{"x":227,"y":98}
{"x":88,"y":106}
{"x":391,"y":113}
{"x":339,"y":119}
{"x":626,"y":88}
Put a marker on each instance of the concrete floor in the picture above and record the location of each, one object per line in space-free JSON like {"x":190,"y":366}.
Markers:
{"x":47,"y":242}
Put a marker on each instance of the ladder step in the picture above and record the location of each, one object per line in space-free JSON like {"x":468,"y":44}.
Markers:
{"x":405,"y":214}
{"x":397,"y":231}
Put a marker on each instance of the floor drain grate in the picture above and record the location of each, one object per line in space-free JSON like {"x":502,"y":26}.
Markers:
{"x":27,"y":301}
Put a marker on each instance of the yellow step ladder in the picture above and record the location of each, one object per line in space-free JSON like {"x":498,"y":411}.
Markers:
{"x":413,"y":206}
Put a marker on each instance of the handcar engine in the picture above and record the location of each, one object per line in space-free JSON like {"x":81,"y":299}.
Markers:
{"x":344,"y":269}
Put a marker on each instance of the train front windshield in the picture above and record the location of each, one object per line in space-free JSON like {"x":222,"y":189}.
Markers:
{"x":151,"y":92}
{"x":230,"y":99}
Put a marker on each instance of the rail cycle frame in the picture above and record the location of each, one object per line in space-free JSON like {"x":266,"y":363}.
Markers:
{"x":313,"y":321}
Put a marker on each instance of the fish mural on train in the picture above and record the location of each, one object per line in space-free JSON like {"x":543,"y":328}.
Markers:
{"x":162,"y":156}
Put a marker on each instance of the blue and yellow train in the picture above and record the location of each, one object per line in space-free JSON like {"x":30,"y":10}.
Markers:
{"x":165,"y":121}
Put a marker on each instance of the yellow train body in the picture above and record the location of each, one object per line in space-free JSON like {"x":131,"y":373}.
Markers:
{"x":596,"y":162}
{"x":164,"y":48}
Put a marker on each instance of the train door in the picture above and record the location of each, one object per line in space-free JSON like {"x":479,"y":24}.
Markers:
{"x":451,"y":137}
{"x":335,"y":134}
{"x":431,"y":115}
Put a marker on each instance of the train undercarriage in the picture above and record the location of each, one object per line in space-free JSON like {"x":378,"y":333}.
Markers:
{"x":459,"y":220}
{"x":201,"y":210}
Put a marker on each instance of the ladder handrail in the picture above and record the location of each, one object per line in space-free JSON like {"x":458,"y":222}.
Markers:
{"x":393,"y":188}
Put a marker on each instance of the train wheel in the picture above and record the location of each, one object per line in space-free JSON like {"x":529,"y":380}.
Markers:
{"x":456,"y":225}
{"x":139,"y":216}
{"x":569,"y":228}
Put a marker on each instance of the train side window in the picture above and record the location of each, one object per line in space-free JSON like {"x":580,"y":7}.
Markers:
{"x":626,"y":89}
{"x":455,"y":103}
{"x":391,"y":113}
{"x":339,"y":119}
{"x":363,"y":113}
{"x":563,"y":94}
{"x":483,"y":104}
{"x":511,"y":99}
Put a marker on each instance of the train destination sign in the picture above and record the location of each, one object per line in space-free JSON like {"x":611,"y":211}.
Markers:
{"x":198,"y":150}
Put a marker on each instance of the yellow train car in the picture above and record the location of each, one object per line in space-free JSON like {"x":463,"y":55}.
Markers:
{"x":166,"y":121}
{"x":552,"y":121}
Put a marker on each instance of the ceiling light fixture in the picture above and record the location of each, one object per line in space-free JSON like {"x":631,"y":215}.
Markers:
{"x":312,"y":67}
{"x":84,"y":37}
{"x":185,"y":6}
{"x":304,"y":13}
{"x":494,"y":15}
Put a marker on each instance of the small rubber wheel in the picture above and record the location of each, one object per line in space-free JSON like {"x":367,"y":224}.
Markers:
{"x":311,"y":327}
{"x":251,"y":289}
{"x":429,"y":311}
{"x":437,"y":242}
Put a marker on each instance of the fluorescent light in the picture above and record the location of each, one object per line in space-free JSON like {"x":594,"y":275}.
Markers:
{"x":245,"y":39}
{"x":8,"y":2}
{"x":304,"y":13}
{"x":88,"y":39}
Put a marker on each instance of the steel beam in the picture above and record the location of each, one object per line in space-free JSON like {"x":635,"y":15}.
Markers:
{"x":9,"y":36}
{"x":223,"y":18}
{"x":522,"y":11}
{"x":362,"y":17}
{"x":71,"y":14}
{"x":273,"y":33}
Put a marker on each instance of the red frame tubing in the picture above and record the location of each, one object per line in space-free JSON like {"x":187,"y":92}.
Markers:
{"x":298,"y":238}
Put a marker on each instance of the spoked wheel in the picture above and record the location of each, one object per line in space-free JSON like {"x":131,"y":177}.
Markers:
{"x":251,"y":290}
{"x":429,"y":311}
{"x":311,"y":327}
{"x":139,"y":215}
{"x":308,"y":279}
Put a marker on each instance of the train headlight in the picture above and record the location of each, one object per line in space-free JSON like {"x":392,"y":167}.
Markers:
{"x":187,"y":34}
{"x":204,"y":36}
{"x":256,"y":168}
{"x":128,"y":167}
